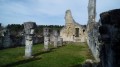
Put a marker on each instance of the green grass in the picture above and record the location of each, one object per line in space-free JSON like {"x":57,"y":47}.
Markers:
{"x":66,"y":56}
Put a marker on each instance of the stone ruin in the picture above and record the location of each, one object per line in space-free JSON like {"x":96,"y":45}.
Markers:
{"x":110,"y":38}
{"x":51,"y":37}
{"x":92,"y":30}
{"x":72,"y":31}
{"x":29,"y":32}
{"x":60,"y":41}
{"x":0,"y":36}
{"x":102,"y":37}
{"x":46,"y":38}
{"x":55,"y":34}
{"x":5,"y":39}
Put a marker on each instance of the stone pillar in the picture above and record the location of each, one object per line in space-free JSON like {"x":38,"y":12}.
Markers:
{"x":29,"y":32}
{"x":55,"y":33}
{"x":46,"y":38}
{"x":28,"y":46}
{"x":60,"y":40}
{"x":91,"y":11}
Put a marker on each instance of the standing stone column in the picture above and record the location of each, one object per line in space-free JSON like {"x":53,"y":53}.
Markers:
{"x":46,"y":38}
{"x":60,"y":40}
{"x":91,"y":11}
{"x":55,"y":33}
{"x":29,"y":32}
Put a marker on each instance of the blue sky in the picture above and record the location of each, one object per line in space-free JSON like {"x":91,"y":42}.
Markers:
{"x":49,"y":12}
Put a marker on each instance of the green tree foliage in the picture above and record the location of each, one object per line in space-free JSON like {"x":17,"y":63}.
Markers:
{"x":16,"y":29}
{"x":39,"y":29}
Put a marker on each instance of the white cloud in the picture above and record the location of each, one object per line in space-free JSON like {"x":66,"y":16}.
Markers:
{"x":50,"y":11}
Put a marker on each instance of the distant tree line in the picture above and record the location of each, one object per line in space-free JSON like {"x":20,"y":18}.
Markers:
{"x":39,"y":29}
{"x":16,"y":29}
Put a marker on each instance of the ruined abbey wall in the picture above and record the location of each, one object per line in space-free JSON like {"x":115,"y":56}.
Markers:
{"x":92,"y":30}
{"x":72,"y":31}
{"x":93,"y":40}
{"x":110,"y":38}
{"x":104,"y":38}
{"x":9,"y":41}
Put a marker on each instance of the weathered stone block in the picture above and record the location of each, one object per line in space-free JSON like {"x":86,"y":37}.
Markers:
{"x":29,"y":31}
{"x":46,"y":38}
{"x":46,"y":43}
{"x":55,"y":33}
{"x":60,"y":41}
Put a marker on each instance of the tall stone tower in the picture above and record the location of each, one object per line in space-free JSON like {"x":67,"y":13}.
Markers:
{"x":69,"y":24}
{"x":68,"y":31}
{"x":92,"y":30}
{"x":91,"y":11}
{"x":68,"y":17}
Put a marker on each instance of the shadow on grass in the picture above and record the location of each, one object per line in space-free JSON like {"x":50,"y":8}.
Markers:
{"x":37,"y":54}
{"x":29,"y":60}
{"x":50,"y":50}
{"x":20,"y":62}
{"x":26,"y":60}
{"x":88,"y":64}
{"x":78,"y":65}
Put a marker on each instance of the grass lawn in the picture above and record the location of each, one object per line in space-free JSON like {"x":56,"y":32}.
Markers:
{"x":70,"y":55}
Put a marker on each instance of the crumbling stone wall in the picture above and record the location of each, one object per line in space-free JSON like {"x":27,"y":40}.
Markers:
{"x":92,"y":30}
{"x":69,"y":32}
{"x":93,"y":40}
{"x":110,"y":38}
{"x":17,"y":41}
{"x":7,"y":42}
{"x":1,"y":42}
{"x":104,"y":37}
{"x":0,"y":37}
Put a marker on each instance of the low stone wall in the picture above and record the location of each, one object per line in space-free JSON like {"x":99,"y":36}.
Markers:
{"x":11,"y":41}
{"x":1,"y":42}
{"x":37,"y":40}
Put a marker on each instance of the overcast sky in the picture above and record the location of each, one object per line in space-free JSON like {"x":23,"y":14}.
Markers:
{"x":49,"y":12}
